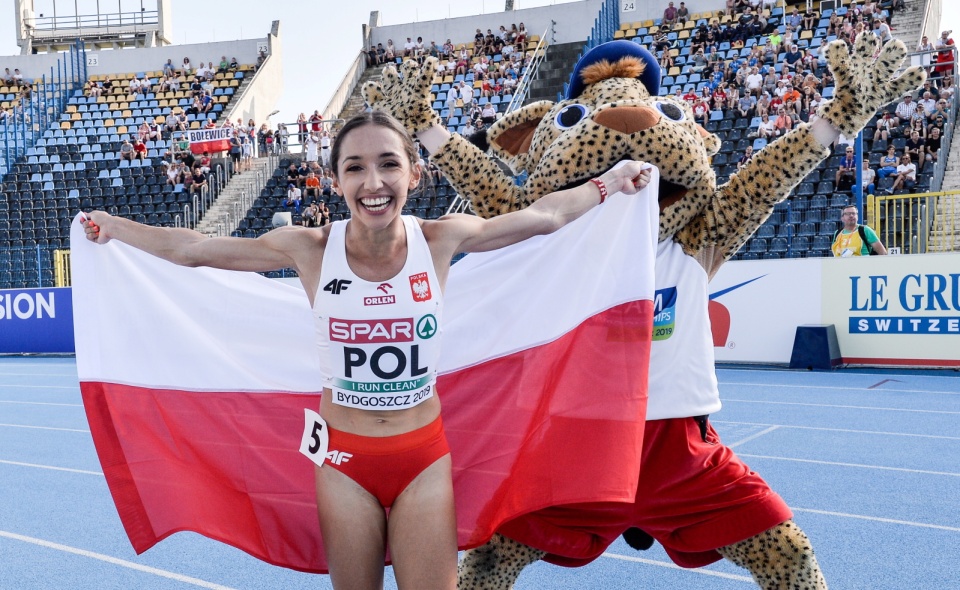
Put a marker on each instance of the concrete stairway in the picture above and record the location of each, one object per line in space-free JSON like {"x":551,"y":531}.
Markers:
{"x":905,"y":24}
{"x":554,"y":71}
{"x":223,"y":216}
{"x":945,"y":236}
{"x":355,"y":104}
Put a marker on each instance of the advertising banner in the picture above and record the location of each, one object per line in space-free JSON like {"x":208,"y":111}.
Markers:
{"x":210,"y":140}
{"x":895,"y":310}
{"x":36,"y":321}
{"x":756,"y":306}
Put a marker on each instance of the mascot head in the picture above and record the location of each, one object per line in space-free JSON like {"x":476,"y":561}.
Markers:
{"x":611,"y":112}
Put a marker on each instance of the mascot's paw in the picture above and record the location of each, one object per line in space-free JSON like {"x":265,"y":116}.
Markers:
{"x":406,"y":96}
{"x":865,"y":80}
{"x":638,"y":539}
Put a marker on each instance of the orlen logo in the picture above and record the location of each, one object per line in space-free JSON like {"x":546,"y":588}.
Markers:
{"x":720,"y":315}
{"x":371,"y":331}
{"x":384,"y":299}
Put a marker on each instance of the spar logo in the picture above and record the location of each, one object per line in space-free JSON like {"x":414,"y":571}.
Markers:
{"x":420,"y":287}
{"x":371,"y":331}
{"x":384,"y":299}
{"x":720,"y":315}
{"x":905,"y":305}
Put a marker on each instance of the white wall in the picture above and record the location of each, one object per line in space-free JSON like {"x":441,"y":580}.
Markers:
{"x":115,"y":61}
{"x":574,"y":20}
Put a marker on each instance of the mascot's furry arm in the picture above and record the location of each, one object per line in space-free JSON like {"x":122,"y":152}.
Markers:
{"x":864,"y":84}
{"x":710,"y":222}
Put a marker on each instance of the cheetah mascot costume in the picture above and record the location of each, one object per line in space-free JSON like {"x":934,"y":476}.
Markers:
{"x":612,"y":112}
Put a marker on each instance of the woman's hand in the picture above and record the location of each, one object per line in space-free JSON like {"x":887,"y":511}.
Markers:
{"x":93,"y":226}
{"x":630,"y":178}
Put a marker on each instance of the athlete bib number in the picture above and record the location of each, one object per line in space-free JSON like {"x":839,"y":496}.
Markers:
{"x":316,"y":437}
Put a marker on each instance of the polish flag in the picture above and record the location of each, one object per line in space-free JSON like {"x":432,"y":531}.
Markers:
{"x":195,"y":383}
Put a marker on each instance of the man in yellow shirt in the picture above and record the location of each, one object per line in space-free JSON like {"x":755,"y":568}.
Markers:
{"x":855,"y":239}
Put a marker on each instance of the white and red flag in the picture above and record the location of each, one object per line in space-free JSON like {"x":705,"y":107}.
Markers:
{"x":195,"y":382}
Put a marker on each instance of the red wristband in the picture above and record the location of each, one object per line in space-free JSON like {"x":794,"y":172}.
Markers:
{"x":602,"y":187}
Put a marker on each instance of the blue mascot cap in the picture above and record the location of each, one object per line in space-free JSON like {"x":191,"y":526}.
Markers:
{"x":611,"y":52}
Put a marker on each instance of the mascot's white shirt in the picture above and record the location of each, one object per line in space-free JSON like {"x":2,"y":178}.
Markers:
{"x":683,"y":381}
{"x":379,"y":342}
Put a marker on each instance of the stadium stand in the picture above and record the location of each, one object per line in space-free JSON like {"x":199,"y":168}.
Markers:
{"x":74,"y":164}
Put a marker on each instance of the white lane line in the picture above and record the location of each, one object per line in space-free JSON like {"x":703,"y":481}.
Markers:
{"x":878,"y":519}
{"x":862,"y":389}
{"x":13,"y":401}
{"x":847,"y":430}
{"x":879,"y":409}
{"x":673,"y":566}
{"x":753,"y":436}
{"x":839,"y":464}
{"x":21,"y":386}
{"x":115,"y":561}
{"x":51,"y":467}
{"x":5,"y":374}
{"x":43,"y":428}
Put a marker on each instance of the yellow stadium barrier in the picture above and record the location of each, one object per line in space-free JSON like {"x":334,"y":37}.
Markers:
{"x":917,"y":223}
{"x":61,"y":268}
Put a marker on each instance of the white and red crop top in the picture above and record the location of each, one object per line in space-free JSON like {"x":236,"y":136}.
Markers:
{"x":379,"y":342}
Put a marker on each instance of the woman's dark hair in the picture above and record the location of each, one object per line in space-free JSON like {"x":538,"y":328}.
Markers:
{"x":380,"y":119}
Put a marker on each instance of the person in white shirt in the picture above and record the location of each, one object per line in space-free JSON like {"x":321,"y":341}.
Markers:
{"x":754,"y":81}
{"x":325,"y":149}
{"x":928,"y":103}
{"x":905,"y":109}
{"x":906,"y":175}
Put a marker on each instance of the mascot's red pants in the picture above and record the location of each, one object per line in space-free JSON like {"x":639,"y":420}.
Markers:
{"x":694,"y":495}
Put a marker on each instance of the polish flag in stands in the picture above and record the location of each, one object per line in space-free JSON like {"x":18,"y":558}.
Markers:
{"x":195,"y":383}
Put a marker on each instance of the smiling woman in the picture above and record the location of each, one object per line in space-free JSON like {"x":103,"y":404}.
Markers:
{"x":378,"y":441}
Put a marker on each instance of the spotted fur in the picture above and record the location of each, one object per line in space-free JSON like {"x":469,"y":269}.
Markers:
{"x":710,"y":222}
{"x":496,"y":565}
{"x":779,"y":558}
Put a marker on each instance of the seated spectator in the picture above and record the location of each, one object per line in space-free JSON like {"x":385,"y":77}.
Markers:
{"x":933,"y":143}
{"x":886,"y":125}
{"x":745,"y":158}
{"x":888,"y":163}
{"x":186,"y":68}
{"x":8,"y":77}
{"x":701,"y":111}
{"x":312,"y":186}
{"x":169,"y":68}
{"x":940,"y":109}
{"x":746,"y":104}
{"x":310,"y":214}
{"x":107,"y":85}
{"x":783,"y":123}
{"x":669,"y":15}
{"x":373,"y":58}
{"x":915,"y":148}
{"x":126,"y":151}
{"x":210,"y":124}
{"x":199,"y":181}
{"x":906,"y":175}
{"x":767,"y":128}
{"x":204,"y":163}
{"x":847,"y":171}
{"x":905,"y":109}
{"x":488,"y":114}
{"x":408,"y":48}
{"x":139,"y":149}
{"x":683,"y":13}
{"x":293,"y":197}
{"x":867,"y":176}
{"x":175,"y":174}
{"x":201,"y":71}
{"x":224,"y":65}
{"x":302,"y":171}
{"x":754,"y":82}
{"x":93,"y":89}
{"x":791,"y":57}
{"x":234,"y":64}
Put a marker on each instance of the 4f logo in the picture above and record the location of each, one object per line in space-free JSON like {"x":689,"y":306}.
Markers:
{"x":338,"y":457}
{"x":385,"y":287}
{"x":420,"y":287}
{"x":336,"y":285}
